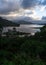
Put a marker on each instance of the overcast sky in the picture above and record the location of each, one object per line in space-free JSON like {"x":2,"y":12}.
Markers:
{"x":13,"y":9}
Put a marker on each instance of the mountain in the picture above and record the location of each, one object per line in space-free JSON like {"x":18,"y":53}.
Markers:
{"x":39,"y":22}
{"x":22,"y":22}
{"x":29,"y":20}
{"x":4,"y":22}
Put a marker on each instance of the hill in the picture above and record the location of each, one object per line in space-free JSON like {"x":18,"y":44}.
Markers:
{"x":22,"y":22}
{"x":4,"y":22}
{"x":38,"y":22}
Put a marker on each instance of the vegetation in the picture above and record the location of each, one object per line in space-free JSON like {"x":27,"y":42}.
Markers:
{"x":24,"y":51}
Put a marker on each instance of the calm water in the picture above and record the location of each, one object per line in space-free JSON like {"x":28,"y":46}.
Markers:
{"x":25,"y":28}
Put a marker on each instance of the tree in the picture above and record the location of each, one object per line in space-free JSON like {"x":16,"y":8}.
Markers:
{"x":42,"y":34}
{"x":1,"y":28}
{"x":14,"y":31}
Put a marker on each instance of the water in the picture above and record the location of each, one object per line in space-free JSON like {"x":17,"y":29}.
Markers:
{"x":28,"y":28}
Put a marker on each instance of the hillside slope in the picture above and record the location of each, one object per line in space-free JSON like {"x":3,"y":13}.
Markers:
{"x":4,"y":22}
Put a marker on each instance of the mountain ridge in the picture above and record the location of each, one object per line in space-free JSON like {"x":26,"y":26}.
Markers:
{"x":5,"y":22}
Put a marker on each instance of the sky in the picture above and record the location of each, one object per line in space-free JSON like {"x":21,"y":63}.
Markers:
{"x":18,"y":9}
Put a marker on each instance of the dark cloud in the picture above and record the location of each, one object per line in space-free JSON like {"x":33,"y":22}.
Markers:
{"x":8,"y":6}
{"x":44,"y":18}
{"x":30,"y":3}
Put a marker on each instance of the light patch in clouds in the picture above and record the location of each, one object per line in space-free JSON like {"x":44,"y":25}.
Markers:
{"x":42,"y":8}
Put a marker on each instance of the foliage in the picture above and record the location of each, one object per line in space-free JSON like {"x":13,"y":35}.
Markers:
{"x":41,"y":35}
{"x":23,"y":51}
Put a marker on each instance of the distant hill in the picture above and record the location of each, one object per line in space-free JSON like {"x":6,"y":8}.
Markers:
{"x":22,"y":22}
{"x":4,"y":22}
{"x":29,"y":20}
{"x":38,"y":22}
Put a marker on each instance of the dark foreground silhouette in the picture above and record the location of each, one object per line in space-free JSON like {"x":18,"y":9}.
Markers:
{"x":24,"y":51}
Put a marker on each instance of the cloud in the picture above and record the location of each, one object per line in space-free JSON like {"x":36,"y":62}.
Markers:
{"x":19,"y":13}
{"x":44,"y":18}
{"x":14,"y":8}
{"x":7,"y":6}
{"x":30,"y":3}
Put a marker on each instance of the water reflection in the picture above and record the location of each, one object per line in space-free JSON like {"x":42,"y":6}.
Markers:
{"x":29,"y":28}
{"x":25,"y":28}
